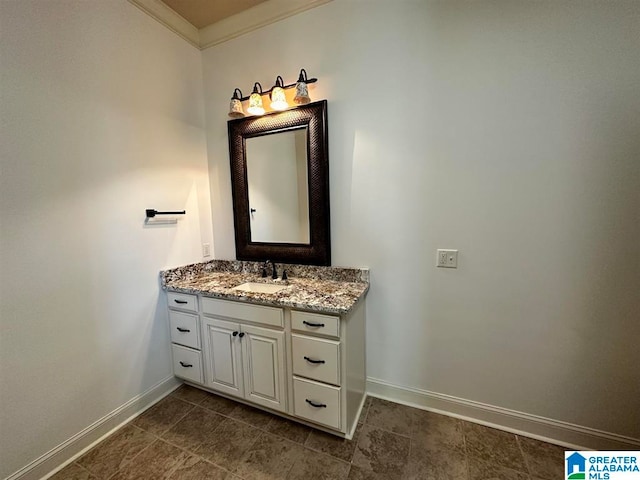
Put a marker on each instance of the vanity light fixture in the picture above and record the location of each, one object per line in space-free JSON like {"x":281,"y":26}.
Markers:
{"x":235,"y":108}
{"x":278,"y":98}
{"x":302,"y":92}
{"x":255,"y":100}
{"x":276,"y":93}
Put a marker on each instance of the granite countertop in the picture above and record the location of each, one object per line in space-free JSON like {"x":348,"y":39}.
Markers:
{"x":322,"y":289}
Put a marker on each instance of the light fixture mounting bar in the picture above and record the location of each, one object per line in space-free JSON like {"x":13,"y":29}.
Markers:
{"x":286,"y":87}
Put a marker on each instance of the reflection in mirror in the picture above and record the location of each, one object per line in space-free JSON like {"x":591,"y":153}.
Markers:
{"x":278,"y":187}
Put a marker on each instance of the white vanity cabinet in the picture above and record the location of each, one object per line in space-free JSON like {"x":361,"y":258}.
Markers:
{"x":307,"y":366}
{"x":185,"y":336}
{"x":328,"y":366}
{"x":245,"y":361}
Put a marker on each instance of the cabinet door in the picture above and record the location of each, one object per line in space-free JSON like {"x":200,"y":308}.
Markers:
{"x":264,"y":374}
{"x":223,"y":357}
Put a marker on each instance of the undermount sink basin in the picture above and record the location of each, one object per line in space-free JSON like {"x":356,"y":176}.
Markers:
{"x":259,"y":287}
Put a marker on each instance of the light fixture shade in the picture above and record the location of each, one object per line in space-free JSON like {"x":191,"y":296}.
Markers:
{"x":302,"y":94}
{"x":255,"y":104}
{"x":302,"y":91}
{"x":235,"y":108}
{"x":255,"y":100}
{"x":278,"y":99}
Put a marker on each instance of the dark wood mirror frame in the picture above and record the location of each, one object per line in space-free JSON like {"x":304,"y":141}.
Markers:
{"x":314,"y":117}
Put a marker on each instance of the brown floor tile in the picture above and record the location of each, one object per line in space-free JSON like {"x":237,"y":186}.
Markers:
{"x":114,"y":452}
{"x":431,"y":431}
{"x":269,"y":458}
{"x":228,"y":443}
{"x":544,"y":460}
{"x":219,"y":404}
{"x":294,"y":431}
{"x":436,"y":465}
{"x":357,"y":473}
{"x":427,"y":446}
{"x":199,"y":470}
{"x":157,"y":461}
{"x":390,"y":416}
{"x":190,"y":394}
{"x":317,"y":466}
{"x":481,"y":470}
{"x":73,"y":472}
{"x":495,"y":446}
{"x":365,"y":409}
{"x":333,"y":445}
{"x":194,"y":429}
{"x":382,"y":452}
{"x":163,"y":415}
{"x":252,"y":416}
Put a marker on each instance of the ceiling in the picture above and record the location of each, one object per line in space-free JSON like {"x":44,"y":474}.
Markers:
{"x":205,"y":23}
{"x":202,"y":13}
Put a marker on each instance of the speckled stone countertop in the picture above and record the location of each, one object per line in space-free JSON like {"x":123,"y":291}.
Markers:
{"x":321,"y":289}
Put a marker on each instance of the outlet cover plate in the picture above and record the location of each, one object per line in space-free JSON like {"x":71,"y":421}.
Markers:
{"x":447,"y":258}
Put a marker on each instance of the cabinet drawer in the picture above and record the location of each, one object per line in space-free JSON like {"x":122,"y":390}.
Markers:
{"x":183,"y":301}
{"x":242,"y":311}
{"x":184,"y":329}
{"x":187,"y":363}
{"x":316,"y":358}
{"x":315,"y":323}
{"x":316,"y":402}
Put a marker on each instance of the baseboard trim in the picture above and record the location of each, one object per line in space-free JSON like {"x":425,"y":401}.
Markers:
{"x":65,"y":453}
{"x":575,"y":437}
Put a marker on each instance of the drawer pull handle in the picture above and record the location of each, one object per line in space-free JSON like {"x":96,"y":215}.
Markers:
{"x":183,"y":330}
{"x":186,"y":365}
{"x":309,"y":324}
{"x":310,"y":360}
{"x":235,"y":334}
{"x":314,"y":404}
{"x":181,"y":302}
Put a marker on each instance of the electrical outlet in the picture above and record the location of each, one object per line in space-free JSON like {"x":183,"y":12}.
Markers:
{"x":206,"y":250}
{"x":447,"y":258}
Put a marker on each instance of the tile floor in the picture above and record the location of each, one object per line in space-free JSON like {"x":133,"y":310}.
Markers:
{"x":195,"y":435}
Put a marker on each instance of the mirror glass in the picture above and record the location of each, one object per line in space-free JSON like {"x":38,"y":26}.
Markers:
{"x":278,"y":187}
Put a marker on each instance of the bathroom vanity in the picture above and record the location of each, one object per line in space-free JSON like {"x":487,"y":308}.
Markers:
{"x":295,"y":348}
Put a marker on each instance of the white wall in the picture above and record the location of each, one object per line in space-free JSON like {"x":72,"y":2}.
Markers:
{"x":506,"y":129}
{"x":102,"y":117}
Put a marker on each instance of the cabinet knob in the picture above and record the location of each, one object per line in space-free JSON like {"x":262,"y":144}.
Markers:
{"x":183,"y":330}
{"x":235,"y":334}
{"x":186,"y":365}
{"x":314,"y":404}
{"x":310,"y":360}
{"x":241,"y":334}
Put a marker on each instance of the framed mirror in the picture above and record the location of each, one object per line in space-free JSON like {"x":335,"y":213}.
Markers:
{"x":280,"y":186}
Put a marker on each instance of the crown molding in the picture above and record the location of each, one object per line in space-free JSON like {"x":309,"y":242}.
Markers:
{"x":170,"y":19}
{"x":256,"y":17}
{"x":263,"y":14}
